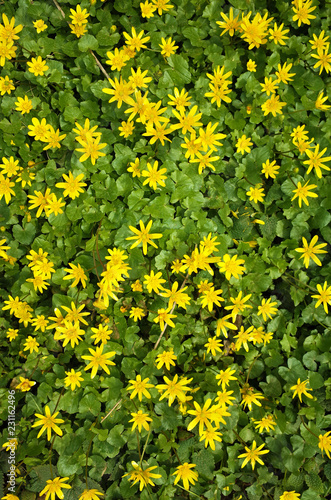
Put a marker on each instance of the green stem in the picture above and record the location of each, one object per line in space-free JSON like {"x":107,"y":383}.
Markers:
{"x":306,"y":426}
{"x":142,"y":456}
{"x":138,"y":442}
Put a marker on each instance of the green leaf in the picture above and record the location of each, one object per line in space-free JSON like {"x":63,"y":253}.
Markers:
{"x":89,"y":404}
{"x":205,"y":463}
{"x":24,"y":235}
{"x":180,"y":74}
{"x":87,"y":42}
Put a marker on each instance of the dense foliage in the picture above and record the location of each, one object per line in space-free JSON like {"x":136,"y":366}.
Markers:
{"x":165,"y":273}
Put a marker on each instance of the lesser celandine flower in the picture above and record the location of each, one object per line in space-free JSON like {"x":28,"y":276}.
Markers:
{"x":54,"y":487}
{"x":185,"y":473}
{"x":253,"y":455}
{"x":49,"y":422}
{"x":301,"y":388}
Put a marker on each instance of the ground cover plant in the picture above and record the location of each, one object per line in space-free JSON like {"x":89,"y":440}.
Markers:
{"x":165,"y":229}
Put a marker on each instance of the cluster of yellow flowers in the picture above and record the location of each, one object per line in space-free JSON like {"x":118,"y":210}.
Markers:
{"x":200,"y":143}
{"x":8,"y":34}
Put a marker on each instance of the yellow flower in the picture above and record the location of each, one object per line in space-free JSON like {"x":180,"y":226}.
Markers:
{"x":270,"y":169}
{"x":31,"y":345}
{"x":78,"y":29}
{"x":101,"y":334}
{"x":39,"y":129}
{"x":168,"y":47}
{"x":121,"y":91}
{"x":166,"y":358}
{"x":135,"y":168}
{"x":267,"y":309}
{"x":147,"y":9}
{"x":24,"y":105}
{"x":137,"y":313}
{"x":73,"y":379}
{"x":324,"y":296}
{"x":54,"y":487}
{"x":277,"y":34}
{"x":251,"y":66}
{"x":266,"y":423}
{"x":255,"y":32}
{"x":139,"y":388}
{"x":231,"y":266}
{"x":162,"y":5}
{"x":223,"y":324}
{"x":37,"y":66}
{"x":5,"y":188}
{"x":154,"y":282}
{"x":135,"y":41}
{"x":11,"y":333}
{"x":140,"y":420}
{"x":269,"y":86}
{"x":317,"y":161}
{"x":211,"y":435}
{"x":53,"y":138}
{"x":303,"y":192}
{"x":325,"y":443}
{"x":224,"y":398}
{"x":117,"y":60}
{"x":302,"y":11}
{"x":40,"y":25}
{"x":243,"y":144}
{"x":48,"y":422}
{"x":98,"y":358}
{"x":186,"y":474}
{"x":154,"y":176}
{"x":283,"y":74}
{"x":289,"y":495}
{"x":77,"y":274}
{"x":213,"y":345}
{"x":319,"y":43}
{"x":72,"y":185}
{"x":180,"y":100}
{"x":6,"y":85}
{"x":320,"y":100}
{"x":230,"y":23}
{"x":25,"y":384}
{"x":208,"y":139}
{"x":8,"y":31}
{"x":91,"y":149}
{"x":187,"y":121}
{"x":255,"y":193}
{"x":211,"y":297}
{"x":252,"y":455}
{"x":174,"y":389}
{"x":136,"y":286}
{"x":164,"y":317}
{"x":225,"y":376}
{"x":142,"y":475}
{"x":249,"y":396}
{"x":273,"y":105}
{"x":79,"y":16}
{"x":143,"y":236}
{"x":91,"y":495}
{"x":309,"y":251}
{"x":301,"y":388}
